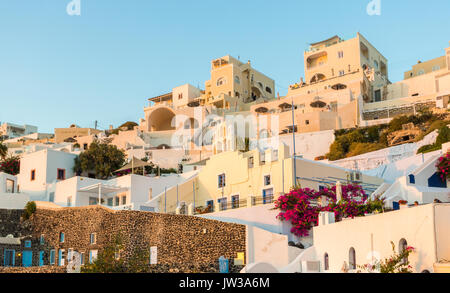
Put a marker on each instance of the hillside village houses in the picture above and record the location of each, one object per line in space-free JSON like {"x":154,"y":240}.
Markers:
{"x":234,"y":172}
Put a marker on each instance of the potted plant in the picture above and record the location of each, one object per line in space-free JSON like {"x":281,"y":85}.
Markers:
{"x":403,"y":204}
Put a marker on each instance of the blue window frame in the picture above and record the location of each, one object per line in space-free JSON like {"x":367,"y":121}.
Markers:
{"x":61,"y":237}
{"x":412,"y":179}
{"x":41,"y":258}
{"x":27,"y":244}
{"x":52,"y":257}
{"x":93,"y":238}
{"x":42,"y":240}
{"x":9,"y":258}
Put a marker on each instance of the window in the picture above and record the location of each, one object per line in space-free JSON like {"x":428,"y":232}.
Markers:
{"x":117,"y":201}
{"x":237,"y":79}
{"x":61,"y":174}
{"x":268,"y":196}
{"x":93,"y":238}
{"x":180,"y":96}
{"x":221,"y":180}
{"x":352,"y":259}
{"x":223,"y":203}
{"x":420,"y":72}
{"x":82,"y":258}
{"x":341,"y":72}
{"x":42,"y":240}
{"x":33,"y":175}
{"x":52,"y":257}
{"x":69,"y":201}
{"x":267,"y":180}
{"x":70,"y":254}
{"x":9,"y":186}
{"x":326,"y":262}
{"x":27,"y":244}
{"x":269,"y":90}
{"x":235,"y":201}
{"x":210,"y":205}
{"x":61,"y":257}
{"x":377,"y":96}
{"x":221,"y":81}
{"x":92,"y":256}
{"x":341,"y":54}
{"x":85,"y":146}
{"x":61,"y":237}
{"x":402,"y":245}
{"x":307,"y":122}
{"x":436,"y":68}
{"x":375,"y":63}
{"x":124,"y":200}
{"x":110,"y":202}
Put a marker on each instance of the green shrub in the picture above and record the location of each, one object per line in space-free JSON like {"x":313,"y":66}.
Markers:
{"x":30,"y":209}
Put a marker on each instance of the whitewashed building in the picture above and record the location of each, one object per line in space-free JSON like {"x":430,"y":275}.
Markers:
{"x":11,"y":130}
{"x":10,"y":196}
{"x":129,"y":192}
{"x":41,"y":170}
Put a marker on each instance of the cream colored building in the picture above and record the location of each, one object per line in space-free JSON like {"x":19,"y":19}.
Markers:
{"x":61,"y":134}
{"x":232,"y":180}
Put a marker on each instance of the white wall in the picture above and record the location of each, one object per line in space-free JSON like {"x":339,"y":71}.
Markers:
{"x":374,"y":233}
{"x":264,"y":246}
{"x":10,"y":200}
{"x":46,"y":163}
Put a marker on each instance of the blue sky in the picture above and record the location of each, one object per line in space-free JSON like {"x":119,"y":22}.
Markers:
{"x":57,"y":69}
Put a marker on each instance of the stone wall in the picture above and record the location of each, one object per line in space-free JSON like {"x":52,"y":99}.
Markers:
{"x":33,"y":270}
{"x":394,"y":112}
{"x":179,"y":239}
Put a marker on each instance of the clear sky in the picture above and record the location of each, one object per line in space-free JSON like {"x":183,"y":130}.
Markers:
{"x":57,"y":69}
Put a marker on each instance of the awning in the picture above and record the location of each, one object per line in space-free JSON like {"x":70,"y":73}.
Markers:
{"x":135,"y":163}
{"x":101,"y":188}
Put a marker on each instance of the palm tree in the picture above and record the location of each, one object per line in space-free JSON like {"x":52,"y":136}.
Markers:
{"x":3,"y":150}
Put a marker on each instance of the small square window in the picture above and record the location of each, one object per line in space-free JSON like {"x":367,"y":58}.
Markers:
{"x":93,"y":238}
{"x":221,"y":180}
{"x":27,"y":244}
{"x":267,"y":180}
{"x":61,"y":175}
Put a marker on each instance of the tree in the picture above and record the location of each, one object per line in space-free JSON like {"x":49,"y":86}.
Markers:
{"x":3,"y":150}
{"x":109,"y":260}
{"x":102,"y":158}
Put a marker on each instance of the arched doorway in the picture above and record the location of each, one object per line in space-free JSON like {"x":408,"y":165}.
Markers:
{"x":402,"y":245}
{"x":352,"y":258}
{"x":326,"y":262}
{"x":161,"y":120}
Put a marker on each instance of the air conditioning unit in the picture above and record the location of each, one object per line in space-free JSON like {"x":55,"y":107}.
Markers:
{"x":310,"y":266}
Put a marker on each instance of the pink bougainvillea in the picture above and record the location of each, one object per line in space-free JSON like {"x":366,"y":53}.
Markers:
{"x":301,"y":206}
{"x":443,"y":167}
{"x":10,"y":165}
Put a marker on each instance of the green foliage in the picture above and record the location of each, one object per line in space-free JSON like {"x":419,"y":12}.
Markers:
{"x":443,"y":137}
{"x":398,"y":263}
{"x":3,"y":150}
{"x":109,"y":260}
{"x":30,"y":209}
{"x":102,"y":158}
{"x":353,"y":142}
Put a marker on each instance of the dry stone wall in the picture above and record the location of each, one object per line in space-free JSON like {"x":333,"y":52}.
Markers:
{"x":181,"y":241}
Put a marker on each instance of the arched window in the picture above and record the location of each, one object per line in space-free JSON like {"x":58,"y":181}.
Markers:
{"x":402,"y":245}
{"x":326,"y":262}
{"x":352,"y":259}
{"x":221,"y":81}
{"x":237,"y":79}
{"x":269,"y":90}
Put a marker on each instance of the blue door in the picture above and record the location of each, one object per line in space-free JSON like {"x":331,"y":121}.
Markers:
{"x":9,"y":258}
{"x":41,"y":258}
{"x":27,"y":258}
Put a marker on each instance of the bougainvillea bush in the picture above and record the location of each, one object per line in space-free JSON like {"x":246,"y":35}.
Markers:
{"x":398,"y":263}
{"x":443,"y":167}
{"x":10,"y":165}
{"x":301,"y":206}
